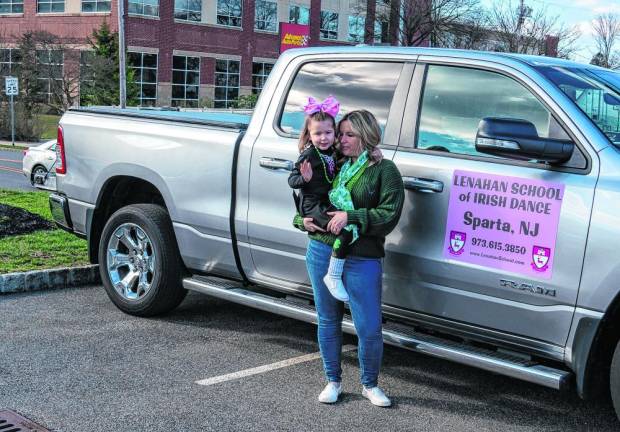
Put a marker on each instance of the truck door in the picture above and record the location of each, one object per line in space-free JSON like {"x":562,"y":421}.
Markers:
{"x":486,"y":241}
{"x":278,"y":249}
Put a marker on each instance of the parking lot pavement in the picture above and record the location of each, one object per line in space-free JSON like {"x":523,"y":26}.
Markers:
{"x":71,"y":361}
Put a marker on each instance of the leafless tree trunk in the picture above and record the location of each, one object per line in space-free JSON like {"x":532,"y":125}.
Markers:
{"x":607,"y":35}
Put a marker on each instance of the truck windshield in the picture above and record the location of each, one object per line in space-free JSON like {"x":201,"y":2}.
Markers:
{"x":595,"y":91}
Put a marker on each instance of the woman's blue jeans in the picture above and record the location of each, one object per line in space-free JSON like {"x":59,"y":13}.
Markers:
{"x":362,"y":280}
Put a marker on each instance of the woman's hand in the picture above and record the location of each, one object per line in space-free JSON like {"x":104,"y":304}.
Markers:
{"x":310,"y":226}
{"x":305,"y":170}
{"x":337,"y":222}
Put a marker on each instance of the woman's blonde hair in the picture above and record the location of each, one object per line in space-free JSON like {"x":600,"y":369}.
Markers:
{"x":365,"y":125}
{"x":304,"y":136}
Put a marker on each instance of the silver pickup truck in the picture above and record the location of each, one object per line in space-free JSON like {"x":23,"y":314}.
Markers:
{"x":505,"y":258}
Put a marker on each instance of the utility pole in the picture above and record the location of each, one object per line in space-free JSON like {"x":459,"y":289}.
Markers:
{"x":524,"y":12}
{"x":121,"y":54}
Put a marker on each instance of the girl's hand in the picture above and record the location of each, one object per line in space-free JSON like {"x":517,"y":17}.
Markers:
{"x":337,"y":222}
{"x":310,"y":226}
{"x":306,"y":170}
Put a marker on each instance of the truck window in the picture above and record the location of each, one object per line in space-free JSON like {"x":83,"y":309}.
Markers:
{"x":595,"y":91}
{"x":456,"y":99}
{"x":357,"y":85}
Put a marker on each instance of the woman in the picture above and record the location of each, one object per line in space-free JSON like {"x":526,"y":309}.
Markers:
{"x":377,"y":194}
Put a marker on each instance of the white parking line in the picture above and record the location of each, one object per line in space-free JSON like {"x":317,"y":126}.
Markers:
{"x":267,"y":368}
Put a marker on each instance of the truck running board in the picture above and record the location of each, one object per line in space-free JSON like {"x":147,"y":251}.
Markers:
{"x":393,"y":334}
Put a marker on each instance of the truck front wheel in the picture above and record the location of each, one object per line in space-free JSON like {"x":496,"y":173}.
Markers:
{"x":614,"y":380}
{"x":139,"y":261}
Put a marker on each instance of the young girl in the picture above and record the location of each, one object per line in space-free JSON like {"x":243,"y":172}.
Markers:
{"x":314,"y":173}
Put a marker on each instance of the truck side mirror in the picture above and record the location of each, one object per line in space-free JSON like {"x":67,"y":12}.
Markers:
{"x":518,"y":139}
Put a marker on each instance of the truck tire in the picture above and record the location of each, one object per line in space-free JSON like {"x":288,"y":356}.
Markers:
{"x":614,"y":380}
{"x":139,"y":261}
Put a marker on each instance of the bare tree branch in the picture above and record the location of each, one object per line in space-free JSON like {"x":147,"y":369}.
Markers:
{"x":522,"y":29}
{"x":425,"y":20}
{"x":607,"y":35}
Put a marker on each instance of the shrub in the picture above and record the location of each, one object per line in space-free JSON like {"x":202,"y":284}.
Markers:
{"x":245,"y":101}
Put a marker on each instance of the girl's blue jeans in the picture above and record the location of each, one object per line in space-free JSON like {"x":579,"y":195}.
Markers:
{"x":362,"y":280}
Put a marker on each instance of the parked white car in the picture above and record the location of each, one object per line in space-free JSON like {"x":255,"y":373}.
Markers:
{"x":39,"y":160}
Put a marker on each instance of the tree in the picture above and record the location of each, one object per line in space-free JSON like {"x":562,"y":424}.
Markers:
{"x":598,"y":60}
{"x":471,"y":33}
{"x":99,"y":76}
{"x":426,"y":20}
{"x":523,"y":29}
{"x":607,"y":35}
{"x":43,"y":76}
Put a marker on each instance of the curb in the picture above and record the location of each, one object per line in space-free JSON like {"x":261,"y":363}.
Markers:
{"x":37,"y":280}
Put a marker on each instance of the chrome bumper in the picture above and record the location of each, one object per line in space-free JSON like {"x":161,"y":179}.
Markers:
{"x":59,"y":206}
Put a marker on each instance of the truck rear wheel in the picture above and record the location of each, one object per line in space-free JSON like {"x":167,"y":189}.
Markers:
{"x":614,"y":380}
{"x":139,"y":261}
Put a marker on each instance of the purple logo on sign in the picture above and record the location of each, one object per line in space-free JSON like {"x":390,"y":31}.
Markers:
{"x":540,"y":258}
{"x":457,"y":242}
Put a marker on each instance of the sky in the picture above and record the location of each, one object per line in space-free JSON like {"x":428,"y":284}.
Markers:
{"x":575,"y":12}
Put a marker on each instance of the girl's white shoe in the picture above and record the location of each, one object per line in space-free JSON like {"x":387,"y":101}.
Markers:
{"x":331,"y":392}
{"x":336,"y":288}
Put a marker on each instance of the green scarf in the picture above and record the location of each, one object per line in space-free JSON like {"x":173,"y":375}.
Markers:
{"x":340,"y":195}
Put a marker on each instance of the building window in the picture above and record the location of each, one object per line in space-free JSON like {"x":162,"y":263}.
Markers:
{"x":46,"y":6}
{"x":11,"y":6}
{"x":226,"y":82}
{"x":329,"y":25}
{"x":299,"y":15}
{"x":87,"y":80}
{"x":229,"y":12}
{"x":96,"y":5}
{"x":188,"y":10}
{"x":50,"y":65}
{"x":260,"y":72}
{"x":144,"y":7}
{"x":266,"y":15}
{"x":185,"y":81}
{"x":9,"y":60}
{"x":356,"y":28}
{"x":144,"y":68}
{"x":382,"y":32}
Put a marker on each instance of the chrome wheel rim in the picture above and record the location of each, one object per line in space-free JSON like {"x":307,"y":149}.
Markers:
{"x":131,"y":261}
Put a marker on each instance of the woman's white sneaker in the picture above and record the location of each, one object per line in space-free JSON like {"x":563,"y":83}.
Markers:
{"x":331,"y":392}
{"x":376,"y":396}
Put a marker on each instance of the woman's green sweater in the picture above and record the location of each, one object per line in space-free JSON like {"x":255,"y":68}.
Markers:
{"x":378,"y":197}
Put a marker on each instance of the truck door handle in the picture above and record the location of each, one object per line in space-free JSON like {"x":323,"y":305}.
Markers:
{"x":422,"y":185}
{"x":276,"y":164}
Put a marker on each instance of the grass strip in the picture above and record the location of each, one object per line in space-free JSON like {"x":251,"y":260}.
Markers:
{"x":11,"y":147}
{"x":41,"y":249}
{"x":34,"y":202}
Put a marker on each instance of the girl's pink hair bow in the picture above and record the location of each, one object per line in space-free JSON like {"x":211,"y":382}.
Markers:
{"x":329,"y":106}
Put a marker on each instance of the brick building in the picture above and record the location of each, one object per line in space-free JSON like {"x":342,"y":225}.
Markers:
{"x":187,"y":52}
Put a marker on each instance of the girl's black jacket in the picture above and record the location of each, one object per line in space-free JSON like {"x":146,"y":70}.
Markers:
{"x":313,"y":200}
